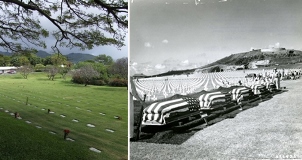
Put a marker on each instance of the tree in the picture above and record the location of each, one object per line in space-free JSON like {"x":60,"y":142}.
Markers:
{"x":47,"y":61}
{"x":85,"y":74}
{"x":34,"y":59}
{"x":120,"y":68}
{"x":103,"y":58}
{"x":58,"y":59}
{"x":25,"y":70}
{"x":4,"y":60}
{"x":63,"y":71}
{"x":51,"y":71}
{"x":19,"y":61}
{"x":99,"y":67}
{"x":39,"y":67}
{"x":76,"y":23}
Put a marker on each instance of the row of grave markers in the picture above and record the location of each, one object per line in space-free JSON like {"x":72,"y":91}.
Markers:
{"x":63,"y":116}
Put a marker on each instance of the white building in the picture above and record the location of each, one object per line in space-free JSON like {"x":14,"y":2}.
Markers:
{"x":9,"y":70}
{"x":257,"y":64}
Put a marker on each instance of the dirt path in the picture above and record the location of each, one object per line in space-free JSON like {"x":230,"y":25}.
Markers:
{"x":271,"y":130}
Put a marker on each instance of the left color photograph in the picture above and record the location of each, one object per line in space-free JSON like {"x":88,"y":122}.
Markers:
{"x":63,"y":79}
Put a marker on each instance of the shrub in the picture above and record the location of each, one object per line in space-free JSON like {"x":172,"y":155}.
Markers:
{"x":39,"y":68}
{"x":98,"y":82}
{"x":118,"y":83}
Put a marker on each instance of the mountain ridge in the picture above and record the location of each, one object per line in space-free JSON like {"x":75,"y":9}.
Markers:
{"x":72,"y":57}
{"x":276,"y":58}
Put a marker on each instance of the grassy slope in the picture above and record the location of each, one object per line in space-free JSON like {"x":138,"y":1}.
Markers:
{"x":21,"y":141}
{"x":63,"y":97}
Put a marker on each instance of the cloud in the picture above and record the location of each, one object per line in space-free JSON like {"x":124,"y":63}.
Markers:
{"x":277,"y":45}
{"x":165,"y":41}
{"x":222,"y":0}
{"x":160,"y":66}
{"x":147,"y":44}
{"x":185,"y":62}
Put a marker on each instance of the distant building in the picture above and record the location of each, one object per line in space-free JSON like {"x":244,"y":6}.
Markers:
{"x":241,"y":67}
{"x":256,"y":50}
{"x":9,"y":70}
{"x":272,"y":49}
{"x":257,"y":64}
{"x":136,"y":76}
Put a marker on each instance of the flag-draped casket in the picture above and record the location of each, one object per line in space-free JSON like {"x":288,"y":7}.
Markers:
{"x":161,"y":113}
{"x":271,"y":86}
{"x":241,"y":92}
{"x":259,"y":89}
{"x":214,"y":99}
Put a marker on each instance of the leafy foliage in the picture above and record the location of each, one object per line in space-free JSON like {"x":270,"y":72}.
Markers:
{"x":19,"y":61}
{"x":103,"y":58}
{"x":118,"y":83}
{"x":85,"y":75}
{"x":75,"y":23}
{"x":120,"y":68}
{"x":39,"y":68}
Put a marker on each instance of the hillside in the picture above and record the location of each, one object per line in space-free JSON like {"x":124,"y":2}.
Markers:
{"x":42,"y":54}
{"x":73,"y":57}
{"x":284,"y":58}
{"x":77,"y":57}
{"x":6,"y":53}
{"x":280,"y":57}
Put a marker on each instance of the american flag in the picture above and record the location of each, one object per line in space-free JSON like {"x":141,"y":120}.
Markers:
{"x":211,"y":98}
{"x":237,"y":92}
{"x":157,"y":110}
{"x":193,"y":103}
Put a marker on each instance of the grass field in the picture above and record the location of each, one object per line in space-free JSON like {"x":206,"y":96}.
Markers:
{"x":95,"y":105}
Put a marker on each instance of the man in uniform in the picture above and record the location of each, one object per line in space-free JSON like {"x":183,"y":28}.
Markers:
{"x":277,"y":76}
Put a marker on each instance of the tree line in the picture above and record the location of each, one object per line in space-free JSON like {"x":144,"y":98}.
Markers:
{"x":102,"y":70}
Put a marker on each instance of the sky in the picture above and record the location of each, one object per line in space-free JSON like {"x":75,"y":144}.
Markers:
{"x":108,"y":50}
{"x":178,"y":34}
{"x":112,"y":51}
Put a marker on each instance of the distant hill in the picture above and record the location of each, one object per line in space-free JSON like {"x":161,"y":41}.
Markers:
{"x":275,"y":58}
{"x":73,"y":57}
{"x":77,"y":57}
{"x":42,"y":54}
{"x":6,"y":53}
{"x":284,"y":58}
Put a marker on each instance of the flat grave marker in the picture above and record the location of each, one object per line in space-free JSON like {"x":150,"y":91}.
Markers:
{"x":90,"y":125}
{"x":94,"y":150}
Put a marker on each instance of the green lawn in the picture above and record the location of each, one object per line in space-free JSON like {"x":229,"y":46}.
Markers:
{"x":74,"y":102}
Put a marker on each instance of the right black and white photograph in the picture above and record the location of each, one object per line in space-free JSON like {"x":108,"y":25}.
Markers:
{"x":215,"y":79}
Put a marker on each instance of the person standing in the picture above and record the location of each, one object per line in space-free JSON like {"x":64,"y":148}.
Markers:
{"x":277,"y":76}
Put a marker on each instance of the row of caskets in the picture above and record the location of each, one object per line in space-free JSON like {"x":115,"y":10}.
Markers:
{"x":179,"y":107}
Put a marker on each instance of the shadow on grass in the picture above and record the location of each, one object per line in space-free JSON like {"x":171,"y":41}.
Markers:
{"x":180,"y":135}
{"x":110,"y":88}
{"x":17,"y":77}
{"x":43,"y":79}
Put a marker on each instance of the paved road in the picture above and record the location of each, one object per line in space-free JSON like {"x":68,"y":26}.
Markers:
{"x":271,"y":130}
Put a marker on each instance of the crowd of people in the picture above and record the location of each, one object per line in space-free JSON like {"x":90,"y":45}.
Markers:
{"x":269,"y":77}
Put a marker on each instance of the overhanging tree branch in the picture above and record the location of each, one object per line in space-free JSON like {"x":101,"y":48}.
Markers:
{"x":74,"y":27}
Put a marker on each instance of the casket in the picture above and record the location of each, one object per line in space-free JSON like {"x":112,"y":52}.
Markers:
{"x":271,"y":86}
{"x":161,"y":113}
{"x":241,"y":91}
{"x":212,"y":100}
{"x":259,"y":89}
